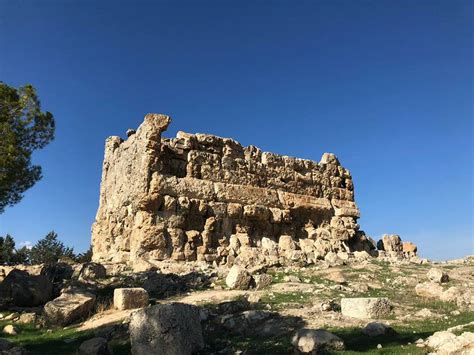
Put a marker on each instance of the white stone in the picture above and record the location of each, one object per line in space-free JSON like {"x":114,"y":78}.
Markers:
{"x":365,"y":308}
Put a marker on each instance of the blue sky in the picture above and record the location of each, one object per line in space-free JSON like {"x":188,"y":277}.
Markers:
{"x":385,"y":85}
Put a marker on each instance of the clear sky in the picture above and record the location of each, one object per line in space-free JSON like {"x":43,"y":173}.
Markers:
{"x":385,"y":85}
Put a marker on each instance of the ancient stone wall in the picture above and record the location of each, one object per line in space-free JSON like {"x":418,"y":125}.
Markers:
{"x":202,"y":197}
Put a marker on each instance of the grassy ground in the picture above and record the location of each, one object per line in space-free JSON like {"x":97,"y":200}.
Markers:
{"x":55,"y":342}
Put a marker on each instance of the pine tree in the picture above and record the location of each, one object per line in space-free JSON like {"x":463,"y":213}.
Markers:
{"x":49,"y":250}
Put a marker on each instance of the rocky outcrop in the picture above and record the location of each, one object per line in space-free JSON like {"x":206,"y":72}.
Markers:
{"x":202,"y":197}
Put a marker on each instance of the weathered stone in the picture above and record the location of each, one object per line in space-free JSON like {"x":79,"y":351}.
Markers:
{"x":445,"y":343}
{"x":238,"y":278}
{"x":26,"y":318}
{"x":95,"y":346}
{"x":22,"y":289}
{"x":155,"y":191}
{"x":390,"y":243}
{"x":166,"y":329}
{"x":316,"y":341}
{"x":374,"y":329}
{"x":429,"y":290}
{"x":92,"y":271}
{"x":262,"y":281}
{"x":365,"y":308}
{"x":73,"y":304}
{"x":129,"y":298}
{"x":437,"y":275}
{"x":10,"y":330}
{"x":409,"y":248}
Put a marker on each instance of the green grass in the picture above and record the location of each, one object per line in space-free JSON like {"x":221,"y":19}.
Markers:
{"x":356,"y":342}
{"x":58,"y":341}
{"x":281,"y":299}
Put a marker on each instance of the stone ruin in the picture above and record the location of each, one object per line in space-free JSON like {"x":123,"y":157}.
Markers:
{"x":207,"y":198}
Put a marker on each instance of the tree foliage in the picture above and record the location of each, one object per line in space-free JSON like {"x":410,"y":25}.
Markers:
{"x":50,"y":250}
{"x":9,"y":255}
{"x":23,"y":129}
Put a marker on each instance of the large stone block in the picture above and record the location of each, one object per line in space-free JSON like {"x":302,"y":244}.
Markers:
{"x":365,"y":308}
{"x":167,"y":329}
{"x":129,"y":298}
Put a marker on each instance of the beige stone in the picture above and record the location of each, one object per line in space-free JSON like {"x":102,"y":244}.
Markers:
{"x":365,"y":308}
{"x":129,"y":298}
{"x":184,"y":198}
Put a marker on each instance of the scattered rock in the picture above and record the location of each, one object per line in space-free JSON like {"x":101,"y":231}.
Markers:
{"x":409,"y":248}
{"x":95,"y":346}
{"x":333,"y":259}
{"x":92,"y":271}
{"x":424,"y":313}
{"x":365,"y":308}
{"x":337,"y":277}
{"x":262,"y":281}
{"x":437,"y":275}
{"x":329,"y":305}
{"x":238,"y":278}
{"x":445,"y":342}
{"x":10,"y":330}
{"x":73,"y":304}
{"x":166,"y":329}
{"x":26,"y":318}
{"x":316,"y":341}
{"x":429,"y":290}
{"x":390,"y":243}
{"x":129,"y":298}
{"x":25,"y":290}
{"x":291,"y":278}
{"x":374,"y":329}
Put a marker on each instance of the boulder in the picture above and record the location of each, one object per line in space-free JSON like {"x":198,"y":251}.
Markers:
{"x":129,"y":298}
{"x":92,"y":271}
{"x":333,"y":259}
{"x":437,"y":275}
{"x":262,"y":281}
{"x":409,"y":248}
{"x":166,"y":329}
{"x":26,"y":318}
{"x":73,"y":304}
{"x":24,"y":290}
{"x":445,"y":342}
{"x":10,"y":330}
{"x":429,"y":290}
{"x":374,"y":329}
{"x":390,"y":243}
{"x":337,"y":277}
{"x":286,"y":243}
{"x":365,"y":307}
{"x":238,"y":278}
{"x":95,"y":346}
{"x":316,"y":341}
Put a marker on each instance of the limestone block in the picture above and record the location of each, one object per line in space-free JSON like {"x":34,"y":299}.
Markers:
{"x":365,"y":308}
{"x":129,"y":298}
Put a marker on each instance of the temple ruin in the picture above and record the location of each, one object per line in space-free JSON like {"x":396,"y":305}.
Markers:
{"x":202,"y":197}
